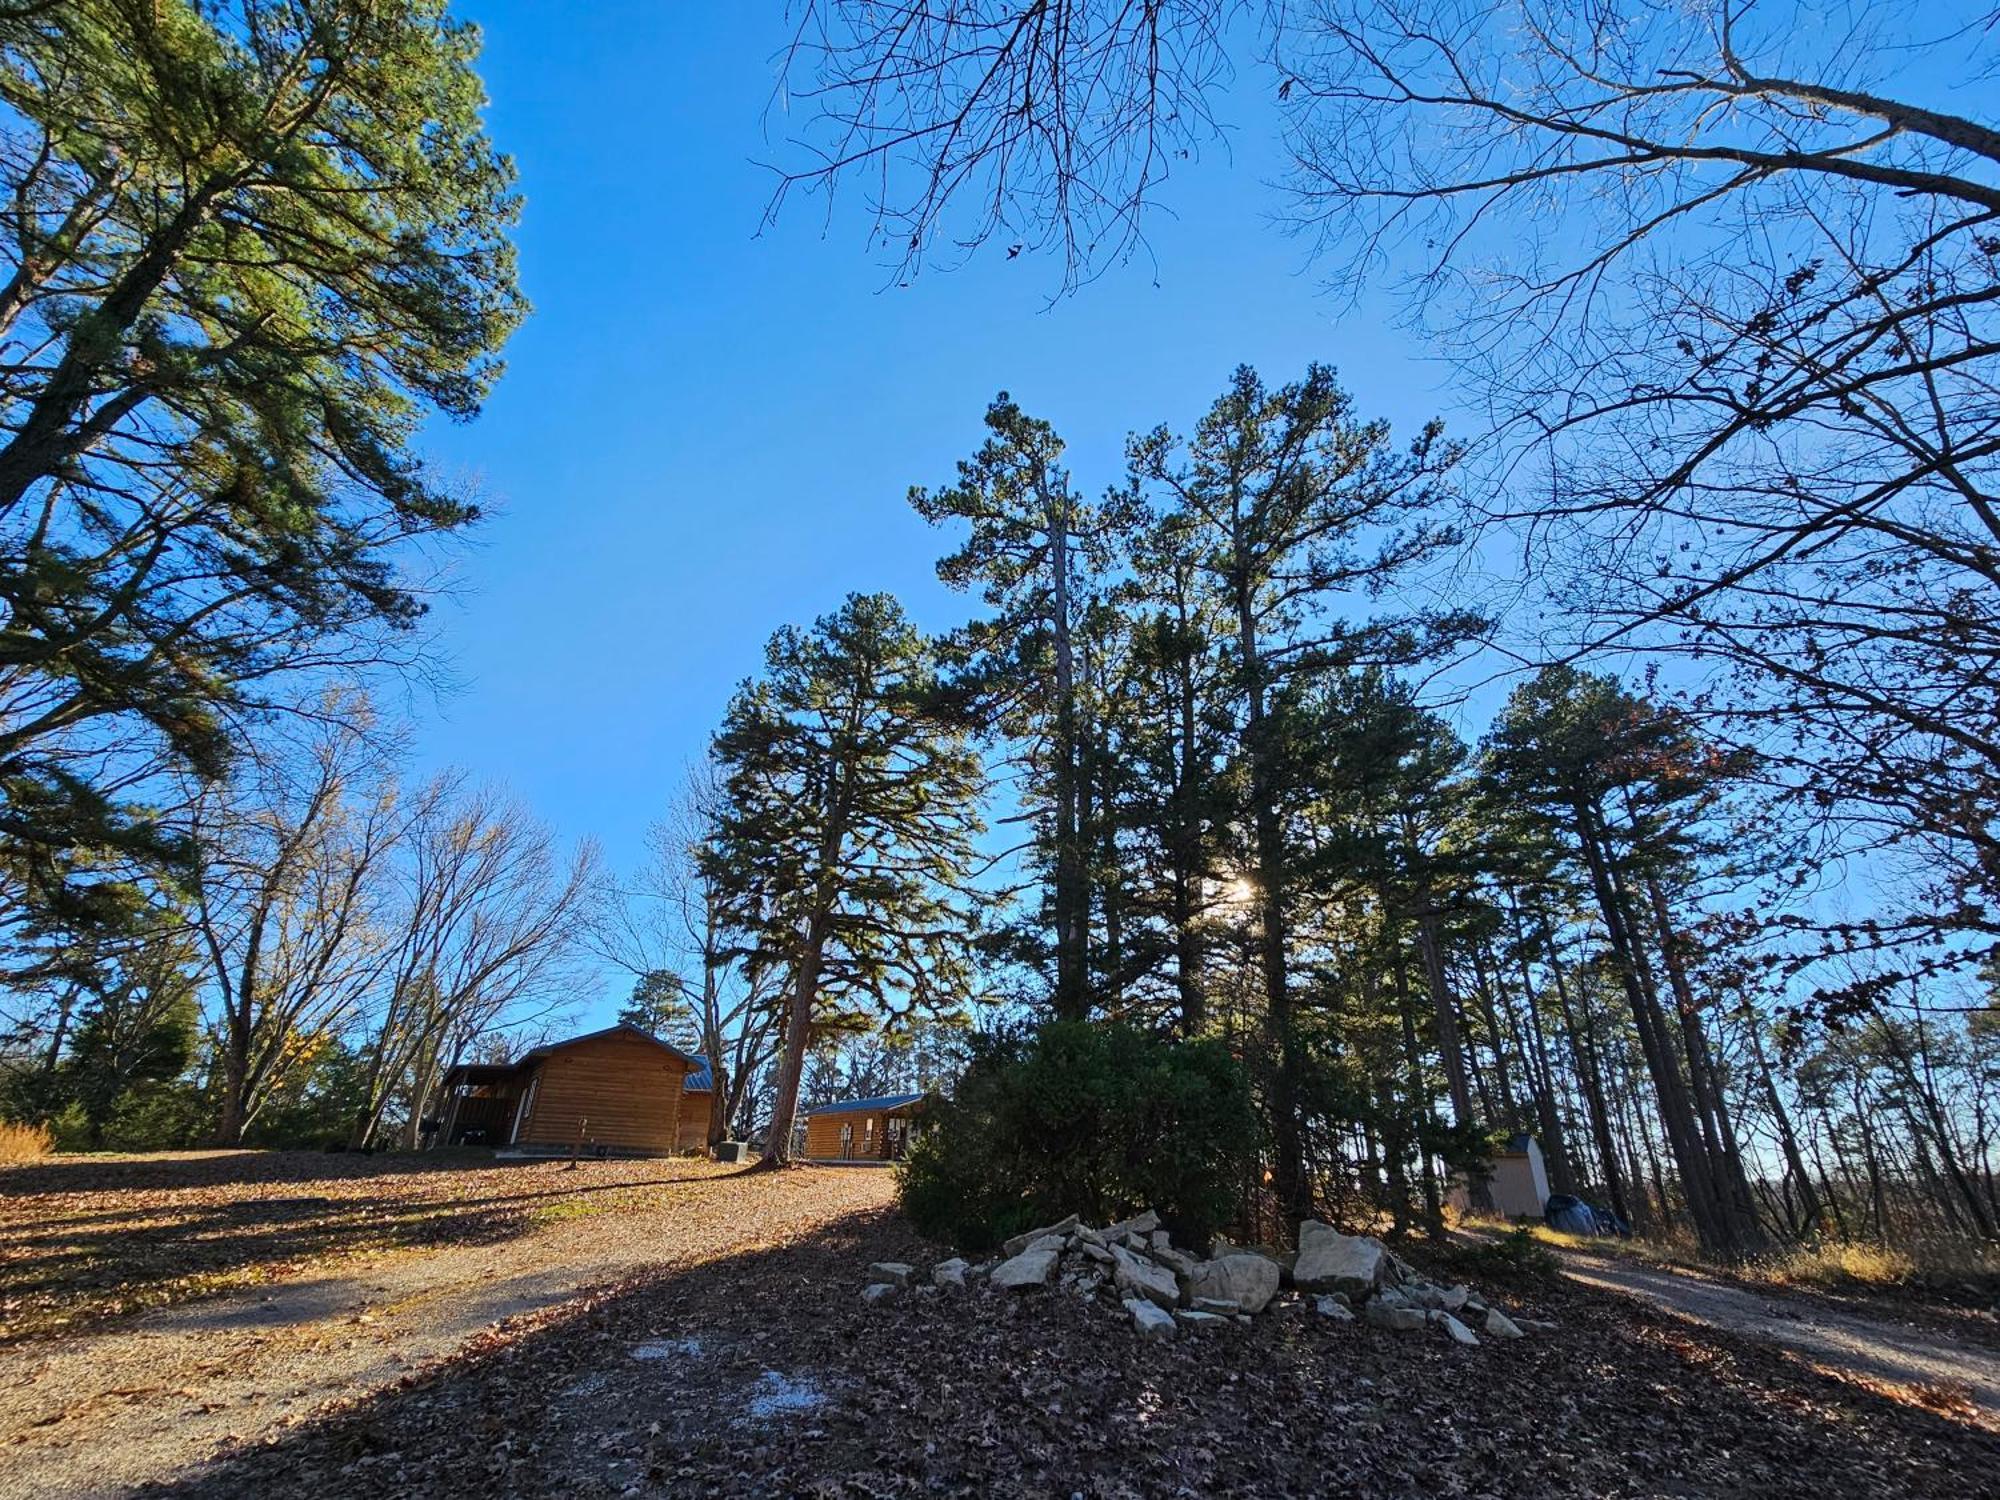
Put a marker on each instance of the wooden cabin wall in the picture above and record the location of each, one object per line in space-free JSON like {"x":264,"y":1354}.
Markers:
{"x":625,"y":1091}
{"x":823,"y":1136}
{"x":694,"y":1121}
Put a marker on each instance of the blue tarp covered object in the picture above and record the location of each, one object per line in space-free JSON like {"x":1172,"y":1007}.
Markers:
{"x":1574,"y":1216}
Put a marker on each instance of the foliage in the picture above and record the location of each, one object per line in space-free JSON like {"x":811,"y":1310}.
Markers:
{"x":316,"y":1104}
{"x":1099,"y":1120}
{"x":253,"y":246}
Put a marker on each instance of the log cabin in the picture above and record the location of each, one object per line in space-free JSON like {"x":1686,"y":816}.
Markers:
{"x":619,"y":1090}
{"x":863,"y":1130}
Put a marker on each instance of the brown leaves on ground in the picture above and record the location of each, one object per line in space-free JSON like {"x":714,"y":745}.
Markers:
{"x":82,"y":1238}
{"x":763,"y":1373}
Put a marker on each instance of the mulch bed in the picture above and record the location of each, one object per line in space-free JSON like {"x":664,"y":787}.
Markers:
{"x":766,"y":1375}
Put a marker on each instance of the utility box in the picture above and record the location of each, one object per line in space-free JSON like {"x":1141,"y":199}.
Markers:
{"x":732,"y":1151}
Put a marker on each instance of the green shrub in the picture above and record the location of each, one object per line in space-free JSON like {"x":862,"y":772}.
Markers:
{"x":1097,"y":1120}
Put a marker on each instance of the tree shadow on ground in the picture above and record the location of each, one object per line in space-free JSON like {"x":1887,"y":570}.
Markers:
{"x":179,"y":1229}
{"x":763,"y":1373}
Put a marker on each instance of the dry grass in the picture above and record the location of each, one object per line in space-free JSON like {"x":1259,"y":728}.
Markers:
{"x":1850,"y":1266}
{"x":1826,"y":1266}
{"x":24,"y":1142}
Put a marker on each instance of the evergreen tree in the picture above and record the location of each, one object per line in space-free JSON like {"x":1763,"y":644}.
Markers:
{"x":844,"y":843}
{"x":254,"y":245}
{"x":1290,"y":503}
{"x":1037,"y":551}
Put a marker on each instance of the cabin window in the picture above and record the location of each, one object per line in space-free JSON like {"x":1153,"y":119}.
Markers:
{"x":846,"y":1137}
{"x":868,"y":1136}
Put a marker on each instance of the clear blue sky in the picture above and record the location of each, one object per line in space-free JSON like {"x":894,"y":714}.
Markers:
{"x":705,"y":433}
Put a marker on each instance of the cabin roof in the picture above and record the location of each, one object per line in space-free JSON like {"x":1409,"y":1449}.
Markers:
{"x":701,"y":1080}
{"x":623,"y":1028}
{"x":853,"y":1106}
{"x":476,"y":1073}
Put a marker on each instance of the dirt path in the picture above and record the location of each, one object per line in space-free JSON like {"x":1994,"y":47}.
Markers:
{"x":152,"y":1398}
{"x":1870,"y":1347}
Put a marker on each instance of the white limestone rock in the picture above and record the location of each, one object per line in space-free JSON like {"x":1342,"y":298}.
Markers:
{"x":892,"y":1272}
{"x":1028,"y":1269}
{"x":1397,"y":1319}
{"x":1136,"y":1276}
{"x":1333,"y":1307}
{"x":1150,"y":1319}
{"x":1250,"y":1281}
{"x":1460,"y":1334}
{"x":1063,"y":1229}
{"x":950,"y":1273}
{"x":1330,"y":1261}
{"x":1500,"y":1326}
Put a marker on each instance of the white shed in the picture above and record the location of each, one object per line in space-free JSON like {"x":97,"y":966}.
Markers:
{"x":1520,"y":1179}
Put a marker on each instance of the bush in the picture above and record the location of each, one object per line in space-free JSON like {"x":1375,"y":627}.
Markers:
{"x":24,"y":1142}
{"x":1096,"y":1120}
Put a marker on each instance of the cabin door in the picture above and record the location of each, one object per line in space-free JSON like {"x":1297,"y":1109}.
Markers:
{"x":523,"y":1109}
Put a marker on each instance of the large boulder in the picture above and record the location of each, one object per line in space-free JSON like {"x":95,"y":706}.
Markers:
{"x":1029,"y":1268}
{"x":1021,"y":1242}
{"x":1250,"y":1281}
{"x":1135,"y":1276}
{"x":1330,"y":1261}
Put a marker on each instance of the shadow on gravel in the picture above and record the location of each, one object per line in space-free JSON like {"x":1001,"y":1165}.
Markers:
{"x":177,"y":1228}
{"x":763,"y":1373}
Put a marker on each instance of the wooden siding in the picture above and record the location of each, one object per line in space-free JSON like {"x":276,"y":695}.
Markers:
{"x":623,"y":1091}
{"x":869,"y":1143}
{"x":694,"y":1121}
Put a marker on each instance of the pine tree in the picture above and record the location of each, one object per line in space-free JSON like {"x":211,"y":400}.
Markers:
{"x":1037,"y":551}
{"x":844,"y":841}
{"x":1290,"y":502}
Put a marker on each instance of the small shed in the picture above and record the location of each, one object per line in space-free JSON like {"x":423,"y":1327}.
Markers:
{"x":1520,"y":1184}
{"x":619,"y":1089}
{"x":878,"y":1129}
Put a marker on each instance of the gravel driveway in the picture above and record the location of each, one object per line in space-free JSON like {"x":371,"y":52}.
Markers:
{"x":151,"y":1398}
{"x":1872,"y":1347}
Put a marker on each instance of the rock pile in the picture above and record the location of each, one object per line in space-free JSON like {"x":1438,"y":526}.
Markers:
{"x":1164,"y":1288}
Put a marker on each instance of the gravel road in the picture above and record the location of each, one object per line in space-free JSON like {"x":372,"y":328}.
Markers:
{"x":154,"y":1397}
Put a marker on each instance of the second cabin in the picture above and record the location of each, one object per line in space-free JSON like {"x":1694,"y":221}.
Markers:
{"x":864,"y":1130}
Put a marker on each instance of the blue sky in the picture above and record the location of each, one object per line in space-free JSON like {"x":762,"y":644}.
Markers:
{"x":705,"y":433}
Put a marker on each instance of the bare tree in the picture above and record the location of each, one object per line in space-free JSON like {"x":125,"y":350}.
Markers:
{"x":487,"y":914}
{"x":669,"y":921}
{"x":289,"y":904}
{"x":1039,"y":124}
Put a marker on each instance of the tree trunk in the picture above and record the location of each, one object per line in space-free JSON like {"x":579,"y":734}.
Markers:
{"x":1072,"y":897}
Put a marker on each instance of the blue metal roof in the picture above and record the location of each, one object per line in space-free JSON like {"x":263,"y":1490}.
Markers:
{"x":701,"y":1080}
{"x":881,"y":1101}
